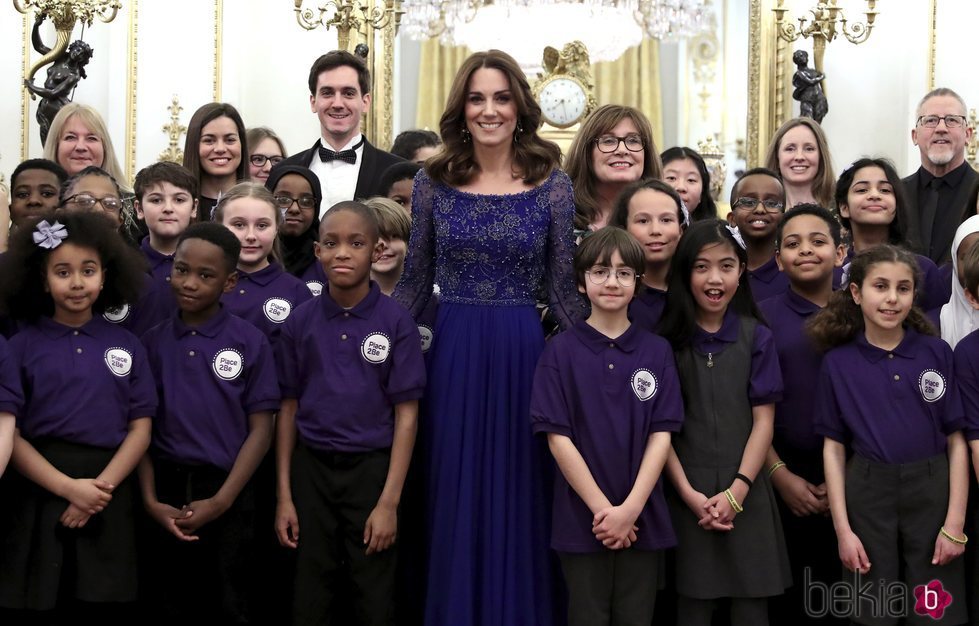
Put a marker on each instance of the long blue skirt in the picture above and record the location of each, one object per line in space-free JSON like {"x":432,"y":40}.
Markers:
{"x":488,"y":555}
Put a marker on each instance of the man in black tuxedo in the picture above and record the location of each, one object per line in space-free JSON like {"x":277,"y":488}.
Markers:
{"x":348,"y":166}
{"x":938,"y":191}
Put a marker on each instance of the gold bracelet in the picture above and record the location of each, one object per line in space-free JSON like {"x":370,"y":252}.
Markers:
{"x":964,"y":540}
{"x":775,"y":467}
{"x":731,"y":500}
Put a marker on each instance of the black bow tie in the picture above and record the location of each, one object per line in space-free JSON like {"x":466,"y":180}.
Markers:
{"x":347,"y":156}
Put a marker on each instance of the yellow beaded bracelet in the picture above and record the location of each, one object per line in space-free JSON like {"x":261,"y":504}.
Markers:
{"x":732,"y":501}
{"x":964,"y":540}
{"x":775,"y":467}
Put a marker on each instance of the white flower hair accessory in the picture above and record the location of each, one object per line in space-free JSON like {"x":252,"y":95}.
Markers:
{"x":737,"y":235}
{"x":686,"y":213}
{"x":49,"y":236}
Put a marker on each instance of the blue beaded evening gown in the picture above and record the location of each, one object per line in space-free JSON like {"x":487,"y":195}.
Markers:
{"x":487,"y":526}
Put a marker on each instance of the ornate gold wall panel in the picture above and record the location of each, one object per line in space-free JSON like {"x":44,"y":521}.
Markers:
{"x":131,"y":92}
{"x":218,"y":36}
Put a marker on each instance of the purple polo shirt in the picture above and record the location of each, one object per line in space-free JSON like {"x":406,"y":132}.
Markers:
{"x":608,"y":396}
{"x":646,"y":308}
{"x":266,"y":298}
{"x":967,"y":380}
{"x":765,"y":379}
{"x":767,"y":281}
{"x":348,"y":368}
{"x":892,"y":407}
{"x":210,"y":378}
{"x":426,"y":324}
{"x":315,"y":278}
{"x":157,"y":302}
{"x":10,"y":388}
{"x":83,"y":384}
{"x":799,"y":360}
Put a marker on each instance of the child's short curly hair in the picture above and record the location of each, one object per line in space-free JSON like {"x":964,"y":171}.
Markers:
{"x":23,"y":268}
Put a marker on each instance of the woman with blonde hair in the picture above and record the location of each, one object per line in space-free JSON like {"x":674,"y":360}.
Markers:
{"x":613,"y":148}
{"x":799,"y":152}
{"x":79,"y":138}
{"x":491,"y":225}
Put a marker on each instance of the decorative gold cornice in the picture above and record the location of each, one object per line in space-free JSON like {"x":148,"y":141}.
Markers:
{"x":218,"y":36}
{"x":131,"y":92}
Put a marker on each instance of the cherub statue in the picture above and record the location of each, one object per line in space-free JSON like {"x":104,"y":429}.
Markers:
{"x":808,"y":88}
{"x":63,"y":76}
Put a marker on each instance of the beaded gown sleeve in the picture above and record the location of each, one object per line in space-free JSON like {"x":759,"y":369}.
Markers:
{"x":415,"y":287}
{"x":566,"y":305}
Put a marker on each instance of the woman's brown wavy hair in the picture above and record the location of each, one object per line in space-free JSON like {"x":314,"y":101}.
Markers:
{"x":534,"y":158}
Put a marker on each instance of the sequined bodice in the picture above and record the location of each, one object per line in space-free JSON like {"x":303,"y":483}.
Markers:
{"x":491,"y":249}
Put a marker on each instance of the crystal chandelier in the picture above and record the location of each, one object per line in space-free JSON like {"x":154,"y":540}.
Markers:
{"x":523,"y":27}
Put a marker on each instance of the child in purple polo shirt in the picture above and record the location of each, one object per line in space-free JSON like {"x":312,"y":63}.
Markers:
{"x":887,"y":393}
{"x":653,"y":213}
{"x":67,"y":536}
{"x":216,"y":380}
{"x":808,"y":250}
{"x":722,"y":505}
{"x":266,"y":295}
{"x":607,"y":396}
{"x":351,"y":373}
{"x":9,"y":388}
{"x":757,"y":200}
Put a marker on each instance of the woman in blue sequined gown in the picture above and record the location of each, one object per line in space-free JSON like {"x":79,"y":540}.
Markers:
{"x":492,"y":223}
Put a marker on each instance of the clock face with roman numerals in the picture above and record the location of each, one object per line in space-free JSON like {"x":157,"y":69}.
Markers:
{"x":562,"y":101}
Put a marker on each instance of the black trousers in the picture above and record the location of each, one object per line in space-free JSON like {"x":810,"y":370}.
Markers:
{"x":206,"y":581}
{"x":612,"y":587}
{"x":334,"y":494}
{"x":896,"y":510}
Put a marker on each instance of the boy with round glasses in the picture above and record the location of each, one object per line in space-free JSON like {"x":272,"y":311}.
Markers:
{"x":757,"y":202}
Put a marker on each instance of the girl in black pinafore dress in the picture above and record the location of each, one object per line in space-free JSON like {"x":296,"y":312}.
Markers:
{"x":724,"y":511}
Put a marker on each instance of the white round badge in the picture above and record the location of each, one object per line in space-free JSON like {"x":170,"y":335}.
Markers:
{"x":427,"y":336}
{"x":315,"y":287}
{"x":644,"y":384}
{"x":932,"y":385}
{"x":277,"y":309}
{"x":116,"y":314}
{"x":228,"y":364}
{"x":119,"y":360}
{"x":376,"y":348}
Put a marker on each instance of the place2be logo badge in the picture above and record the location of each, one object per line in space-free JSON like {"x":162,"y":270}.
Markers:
{"x":376,"y":348}
{"x":277,"y":309}
{"x":116,"y":314}
{"x":643,"y":384}
{"x":932,"y":385}
{"x":228,"y":364}
{"x":119,"y":360}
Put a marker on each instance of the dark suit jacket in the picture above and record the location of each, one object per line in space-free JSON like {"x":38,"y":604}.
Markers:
{"x":375,"y":162}
{"x":947,"y":219}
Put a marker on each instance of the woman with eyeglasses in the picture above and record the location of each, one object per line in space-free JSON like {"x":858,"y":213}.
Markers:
{"x":93,"y":189}
{"x":214,"y":152}
{"x":266,"y":151}
{"x":613,"y":148}
{"x":297,"y":193}
{"x":799,"y":152}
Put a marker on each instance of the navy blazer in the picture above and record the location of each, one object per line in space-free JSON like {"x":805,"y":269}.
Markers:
{"x":947,"y":220}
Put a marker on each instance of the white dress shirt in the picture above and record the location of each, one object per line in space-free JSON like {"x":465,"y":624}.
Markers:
{"x":338,"y":179}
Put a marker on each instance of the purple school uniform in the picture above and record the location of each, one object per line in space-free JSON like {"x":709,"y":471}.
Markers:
{"x":646,"y":308}
{"x":765,"y":379}
{"x":767,"y":281}
{"x":266,"y":298}
{"x":966,"y":362}
{"x":799,"y":359}
{"x":894,"y":406}
{"x":10,"y":389}
{"x":935,"y":288}
{"x":157,"y":302}
{"x":210,"y":378}
{"x":608,"y":396}
{"x":348,"y":368}
{"x":426,"y":323}
{"x":83,"y":384}
{"x":315,"y":278}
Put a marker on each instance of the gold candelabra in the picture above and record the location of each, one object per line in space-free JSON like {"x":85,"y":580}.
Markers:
{"x":174,"y":129}
{"x":349,"y":15}
{"x":828,"y":21}
{"x":64,"y":14}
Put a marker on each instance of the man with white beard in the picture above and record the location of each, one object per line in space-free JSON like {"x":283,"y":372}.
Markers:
{"x":938,"y":191}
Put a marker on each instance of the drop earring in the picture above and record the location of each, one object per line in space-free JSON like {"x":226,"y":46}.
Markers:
{"x":466,"y":136}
